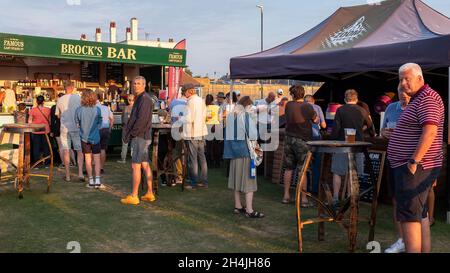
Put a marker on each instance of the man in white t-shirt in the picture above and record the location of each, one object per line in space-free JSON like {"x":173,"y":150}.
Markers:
{"x":105,"y":130}
{"x":70,"y":133}
{"x":266,"y":109}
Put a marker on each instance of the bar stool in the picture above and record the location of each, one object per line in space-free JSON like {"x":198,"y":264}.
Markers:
{"x":23,"y":167}
{"x":326,"y":212}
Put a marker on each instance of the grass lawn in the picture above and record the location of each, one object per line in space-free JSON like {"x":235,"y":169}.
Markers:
{"x":197,"y":221}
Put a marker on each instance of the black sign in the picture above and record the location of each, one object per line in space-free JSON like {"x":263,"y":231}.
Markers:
{"x":90,"y":71}
{"x":114,"y":71}
{"x":366,"y":185}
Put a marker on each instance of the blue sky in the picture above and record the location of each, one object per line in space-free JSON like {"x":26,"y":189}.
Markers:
{"x":216,"y":30}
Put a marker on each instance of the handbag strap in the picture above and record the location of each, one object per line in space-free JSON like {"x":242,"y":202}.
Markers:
{"x":42,"y":113}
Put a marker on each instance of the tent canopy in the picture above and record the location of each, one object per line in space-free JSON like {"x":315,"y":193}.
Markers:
{"x":363,"y":38}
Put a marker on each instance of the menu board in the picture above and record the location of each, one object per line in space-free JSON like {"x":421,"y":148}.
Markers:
{"x":365,"y":182}
{"x":114,"y":71}
{"x":90,"y":71}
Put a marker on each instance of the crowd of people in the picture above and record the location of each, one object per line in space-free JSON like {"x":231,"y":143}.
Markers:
{"x":214,"y":130}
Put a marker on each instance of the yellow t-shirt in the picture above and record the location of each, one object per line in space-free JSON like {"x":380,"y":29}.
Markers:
{"x":212,"y":114}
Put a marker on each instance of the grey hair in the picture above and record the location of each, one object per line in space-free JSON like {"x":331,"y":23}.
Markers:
{"x":140,"y":78}
{"x":415,"y":68}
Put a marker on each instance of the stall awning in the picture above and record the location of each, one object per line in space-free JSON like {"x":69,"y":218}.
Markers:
{"x":22,"y":45}
{"x":356,"y":39}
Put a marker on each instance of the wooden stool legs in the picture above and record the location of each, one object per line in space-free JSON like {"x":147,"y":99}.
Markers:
{"x":298,"y":201}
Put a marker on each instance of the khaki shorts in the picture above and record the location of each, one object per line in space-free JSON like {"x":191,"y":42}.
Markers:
{"x":69,"y":138}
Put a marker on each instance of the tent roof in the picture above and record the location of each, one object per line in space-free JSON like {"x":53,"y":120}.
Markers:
{"x":357,"y":39}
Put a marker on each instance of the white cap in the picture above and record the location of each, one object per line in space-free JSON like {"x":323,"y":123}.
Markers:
{"x":280,"y":91}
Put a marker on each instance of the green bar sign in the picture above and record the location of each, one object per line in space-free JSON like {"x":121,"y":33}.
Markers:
{"x":33,"y":46}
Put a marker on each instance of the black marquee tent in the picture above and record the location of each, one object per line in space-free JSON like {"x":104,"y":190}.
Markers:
{"x":362,"y":47}
{"x":355,"y":40}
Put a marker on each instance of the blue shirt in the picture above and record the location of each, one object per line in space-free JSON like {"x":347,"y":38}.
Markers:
{"x":177,"y":113}
{"x":89,"y":120}
{"x":391,"y":115}
{"x":315,"y":126}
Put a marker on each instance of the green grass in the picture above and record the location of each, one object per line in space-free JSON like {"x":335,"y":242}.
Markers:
{"x":198,"y":221}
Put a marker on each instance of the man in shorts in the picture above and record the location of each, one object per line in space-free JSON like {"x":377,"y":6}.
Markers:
{"x":70,"y":133}
{"x":105,"y":129}
{"x":415,"y":155}
{"x":138,"y":132}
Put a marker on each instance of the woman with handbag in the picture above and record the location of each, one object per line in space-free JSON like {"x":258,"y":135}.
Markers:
{"x":239,"y":147}
{"x":40,"y":115}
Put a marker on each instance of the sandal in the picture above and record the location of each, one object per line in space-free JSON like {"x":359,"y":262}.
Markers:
{"x":254,"y":214}
{"x":239,"y":211}
{"x":286,"y":201}
{"x":306,"y":205}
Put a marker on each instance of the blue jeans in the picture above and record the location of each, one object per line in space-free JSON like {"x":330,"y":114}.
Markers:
{"x":196,"y":152}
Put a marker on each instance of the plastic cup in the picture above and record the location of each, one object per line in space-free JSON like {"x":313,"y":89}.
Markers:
{"x":350,"y":135}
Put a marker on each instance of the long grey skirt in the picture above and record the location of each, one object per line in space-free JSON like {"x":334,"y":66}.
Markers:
{"x":239,"y":178}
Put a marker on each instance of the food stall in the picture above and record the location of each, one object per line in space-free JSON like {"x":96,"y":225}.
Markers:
{"x":39,"y":66}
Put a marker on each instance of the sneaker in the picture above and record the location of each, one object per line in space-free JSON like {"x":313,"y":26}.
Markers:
{"x":90,"y":186}
{"x":396,"y":247}
{"x":97,"y":182}
{"x":148,"y":197}
{"x":121,"y":161}
{"x":130,"y":200}
{"x":179,"y":181}
{"x":163,"y":183}
{"x":100,"y":187}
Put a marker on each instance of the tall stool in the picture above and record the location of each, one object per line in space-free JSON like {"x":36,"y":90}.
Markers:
{"x":326,"y":212}
{"x":23,"y":167}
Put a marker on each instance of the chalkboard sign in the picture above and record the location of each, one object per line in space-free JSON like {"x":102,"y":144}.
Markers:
{"x":90,"y":71}
{"x":377,"y":158}
{"x":114,"y":71}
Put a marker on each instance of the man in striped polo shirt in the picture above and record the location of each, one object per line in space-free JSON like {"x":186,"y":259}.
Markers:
{"x":415,"y":154}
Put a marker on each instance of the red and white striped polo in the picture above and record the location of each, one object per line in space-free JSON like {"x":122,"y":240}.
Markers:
{"x":426,"y":107}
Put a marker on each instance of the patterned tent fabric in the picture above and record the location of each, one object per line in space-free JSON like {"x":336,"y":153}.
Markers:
{"x":363,"y":38}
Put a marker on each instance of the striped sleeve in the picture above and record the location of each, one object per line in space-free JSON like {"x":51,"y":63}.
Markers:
{"x":428,"y":114}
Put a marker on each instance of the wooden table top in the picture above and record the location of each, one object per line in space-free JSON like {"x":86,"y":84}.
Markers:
{"x":23,"y":128}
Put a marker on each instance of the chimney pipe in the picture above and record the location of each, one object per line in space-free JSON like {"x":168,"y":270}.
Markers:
{"x":134,"y":29}
{"x":83,"y":37}
{"x":98,"y":35}
{"x":128,"y":33}
{"x":113,"y":33}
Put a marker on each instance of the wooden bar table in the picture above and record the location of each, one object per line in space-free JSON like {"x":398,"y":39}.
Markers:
{"x":24,"y":168}
{"x":326,"y":212}
{"x":165,"y":128}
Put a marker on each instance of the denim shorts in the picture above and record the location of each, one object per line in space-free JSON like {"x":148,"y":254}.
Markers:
{"x":140,"y":146}
{"x":339,"y":163}
{"x":411,"y":192}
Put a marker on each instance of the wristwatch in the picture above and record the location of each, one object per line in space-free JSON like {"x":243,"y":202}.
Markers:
{"x":412,"y":161}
